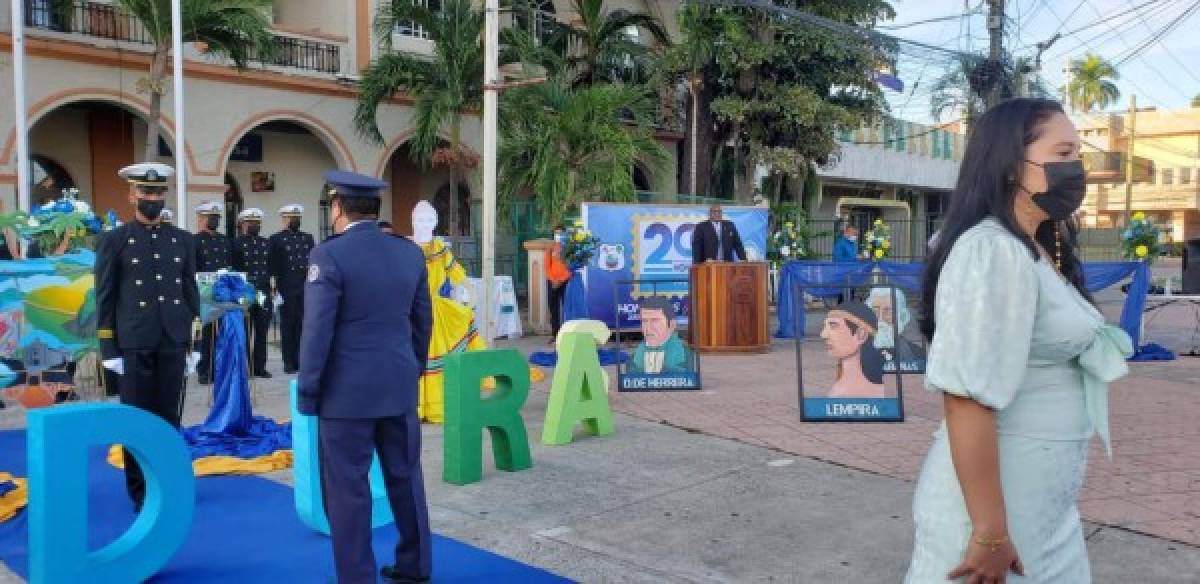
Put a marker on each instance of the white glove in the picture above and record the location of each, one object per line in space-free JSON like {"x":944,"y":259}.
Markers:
{"x":260,"y":298}
{"x":278,"y":300}
{"x":192,"y":360}
{"x":116,"y":365}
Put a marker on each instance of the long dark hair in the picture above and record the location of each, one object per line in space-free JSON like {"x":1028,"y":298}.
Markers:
{"x":987,"y":186}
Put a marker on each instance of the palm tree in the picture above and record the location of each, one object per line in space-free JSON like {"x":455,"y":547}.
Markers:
{"x":1091,"y":86}
{"x":236,"y":29}
{"x":701,"y":30}
{"x":444,"y":85}
{"x":571,"y":144}
{"x":952,"y":93}
{"x":600,"y":47}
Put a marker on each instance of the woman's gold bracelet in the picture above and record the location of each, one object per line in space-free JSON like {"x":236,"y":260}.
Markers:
{"x":992,"y":544}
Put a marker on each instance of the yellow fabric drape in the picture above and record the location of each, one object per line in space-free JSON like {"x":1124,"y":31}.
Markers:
{"x":13,"y":501}
{"x":222,"y":465}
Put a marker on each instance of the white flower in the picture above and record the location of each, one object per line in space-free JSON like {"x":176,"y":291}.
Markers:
{"x":48,"y":206}
{"x":82,"y":207}
{"x":785,"y":251}
{"x":32,"y":222}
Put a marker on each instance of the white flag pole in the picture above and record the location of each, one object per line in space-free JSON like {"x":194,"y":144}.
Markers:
{"x":21,"y":121}
{"x":491,"y":58}
{"x":181,"y":169}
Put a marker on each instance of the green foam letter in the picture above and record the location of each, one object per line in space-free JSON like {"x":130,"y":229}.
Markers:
{"x":578,"y":393}
{"x":468,"y":413}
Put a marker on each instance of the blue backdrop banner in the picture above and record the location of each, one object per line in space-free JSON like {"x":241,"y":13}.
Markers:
{"x":1097,"y":276}
{"x":651,"y":243}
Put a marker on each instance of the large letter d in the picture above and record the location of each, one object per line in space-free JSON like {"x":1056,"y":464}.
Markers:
{"x":59,"y":440}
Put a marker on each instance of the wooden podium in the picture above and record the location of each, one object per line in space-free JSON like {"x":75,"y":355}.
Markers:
{"x":729,"y":307}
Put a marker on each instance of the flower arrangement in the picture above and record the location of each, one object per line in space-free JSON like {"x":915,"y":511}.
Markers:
{"x":67,"y":217}
{"x":787,"y":244}
{"x":877,"y":241}
{"x":581,"y":246}
{"x":1140,"y":241}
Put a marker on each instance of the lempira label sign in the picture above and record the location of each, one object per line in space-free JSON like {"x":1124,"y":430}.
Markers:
{"x":828,"y":409}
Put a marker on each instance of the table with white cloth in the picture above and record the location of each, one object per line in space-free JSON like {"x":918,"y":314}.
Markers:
{"x":505,"y":318}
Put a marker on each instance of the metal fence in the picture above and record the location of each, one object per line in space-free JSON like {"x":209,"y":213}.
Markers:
{"x":108,"y":21}
{"x":910,"y":240}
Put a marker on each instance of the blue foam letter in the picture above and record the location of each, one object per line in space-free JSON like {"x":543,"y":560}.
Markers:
{"x":306,"y":476}
{"x":58,"y":442}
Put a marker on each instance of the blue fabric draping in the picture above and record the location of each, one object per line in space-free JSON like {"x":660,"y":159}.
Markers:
{"x":550,"y":358}
{"x":813,"y":274}
{"x":575,"y":298}
{"x":1097,"y":276}
{"x":1153,"y":352}
{"x":231,"y":429}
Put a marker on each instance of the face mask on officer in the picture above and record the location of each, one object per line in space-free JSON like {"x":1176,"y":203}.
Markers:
{"x":253,"y":228}
{"x":147,"y":207}
{"x":294,"y":224}
{"x":212,"y":222}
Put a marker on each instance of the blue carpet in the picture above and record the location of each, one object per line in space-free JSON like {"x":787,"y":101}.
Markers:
{"x":244,"y":529}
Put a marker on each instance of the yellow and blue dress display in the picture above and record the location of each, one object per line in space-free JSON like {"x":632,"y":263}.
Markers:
{"x":454,"y":328}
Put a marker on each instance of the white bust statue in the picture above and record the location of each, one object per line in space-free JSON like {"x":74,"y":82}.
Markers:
{"x":424,"y":221}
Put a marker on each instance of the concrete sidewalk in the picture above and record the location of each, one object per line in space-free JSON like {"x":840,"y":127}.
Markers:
{"x":656,"y":503}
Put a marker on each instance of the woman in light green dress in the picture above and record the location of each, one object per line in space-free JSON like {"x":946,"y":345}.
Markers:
{"x":1022,"y":356}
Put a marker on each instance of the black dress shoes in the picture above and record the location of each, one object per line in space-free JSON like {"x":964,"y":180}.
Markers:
{"x":263,"y":374}
{"x":390,"y":574}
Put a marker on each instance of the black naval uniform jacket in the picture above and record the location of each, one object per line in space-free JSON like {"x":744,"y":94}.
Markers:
{"x":289,"y":260}
{"x":146,"y":295}
{"x":212,"y":252}
{"x":250,"y":255}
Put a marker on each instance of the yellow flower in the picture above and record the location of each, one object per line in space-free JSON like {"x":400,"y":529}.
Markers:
{"x":580,"y":236}
{"x":879,"y":221}
{"x":1141,"y":251}
{"x":1139,"y":216}
{"x":887,"y":244}
{"x":879,"y":254}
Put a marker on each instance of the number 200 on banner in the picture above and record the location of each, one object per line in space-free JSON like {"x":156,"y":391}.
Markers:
{"x":663,"y":252}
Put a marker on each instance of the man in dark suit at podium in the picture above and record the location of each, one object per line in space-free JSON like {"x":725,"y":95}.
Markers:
{"x":716,"y":240}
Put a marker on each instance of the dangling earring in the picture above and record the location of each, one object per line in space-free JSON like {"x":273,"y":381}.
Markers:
{"x":1058,"y":247}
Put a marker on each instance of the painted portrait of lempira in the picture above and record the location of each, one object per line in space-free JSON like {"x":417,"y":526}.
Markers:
{"x":849,"y":335}
{"x":661,"y":351}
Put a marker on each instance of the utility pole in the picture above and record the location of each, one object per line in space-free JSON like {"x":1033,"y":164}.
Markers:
{"x":995,"y":25}
{"x":1132,"y":121}
{"x":22,"y":125}
{"x":491,"y":35}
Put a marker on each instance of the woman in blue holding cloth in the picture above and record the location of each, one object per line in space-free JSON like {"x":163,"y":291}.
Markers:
{"x":1022,"y":356}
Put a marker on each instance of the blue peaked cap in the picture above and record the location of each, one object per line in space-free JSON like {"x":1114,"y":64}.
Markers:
{"x":352,"y":184}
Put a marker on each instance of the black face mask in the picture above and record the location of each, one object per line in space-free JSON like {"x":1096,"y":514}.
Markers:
{"x":150,"y":208}
{"x":253,"y":229}
{"x":212,"y":222}
{"x":1066,"y":186}
{"x":294,"y":224}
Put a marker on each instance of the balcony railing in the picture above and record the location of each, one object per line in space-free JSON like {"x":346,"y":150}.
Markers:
{"x":92,"y":19}
{"x":305,"y":54}
{"x":106,"y":21}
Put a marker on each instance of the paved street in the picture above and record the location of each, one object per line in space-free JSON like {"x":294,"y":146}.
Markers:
{"x":726,"y":485}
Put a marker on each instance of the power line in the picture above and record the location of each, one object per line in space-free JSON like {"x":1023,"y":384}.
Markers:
{"x":1171,"y":54}
{"x":1154,"y":38}
{"x":1108,"y":22}
{"x":948,"y":17}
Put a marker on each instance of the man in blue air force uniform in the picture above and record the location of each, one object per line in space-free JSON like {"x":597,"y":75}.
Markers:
{"x":364,"y":344}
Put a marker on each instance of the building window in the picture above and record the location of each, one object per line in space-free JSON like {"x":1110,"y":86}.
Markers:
{"x":1185,"y":176}
{"x":1102,"y":132}
{"x":1168,"y":176}
{"x":411,"y":29}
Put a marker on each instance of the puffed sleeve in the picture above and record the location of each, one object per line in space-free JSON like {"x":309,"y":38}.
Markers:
{"x":987,"y":298}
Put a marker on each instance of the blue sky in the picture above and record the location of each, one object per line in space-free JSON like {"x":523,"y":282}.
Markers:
{"x":1166,"y":74}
